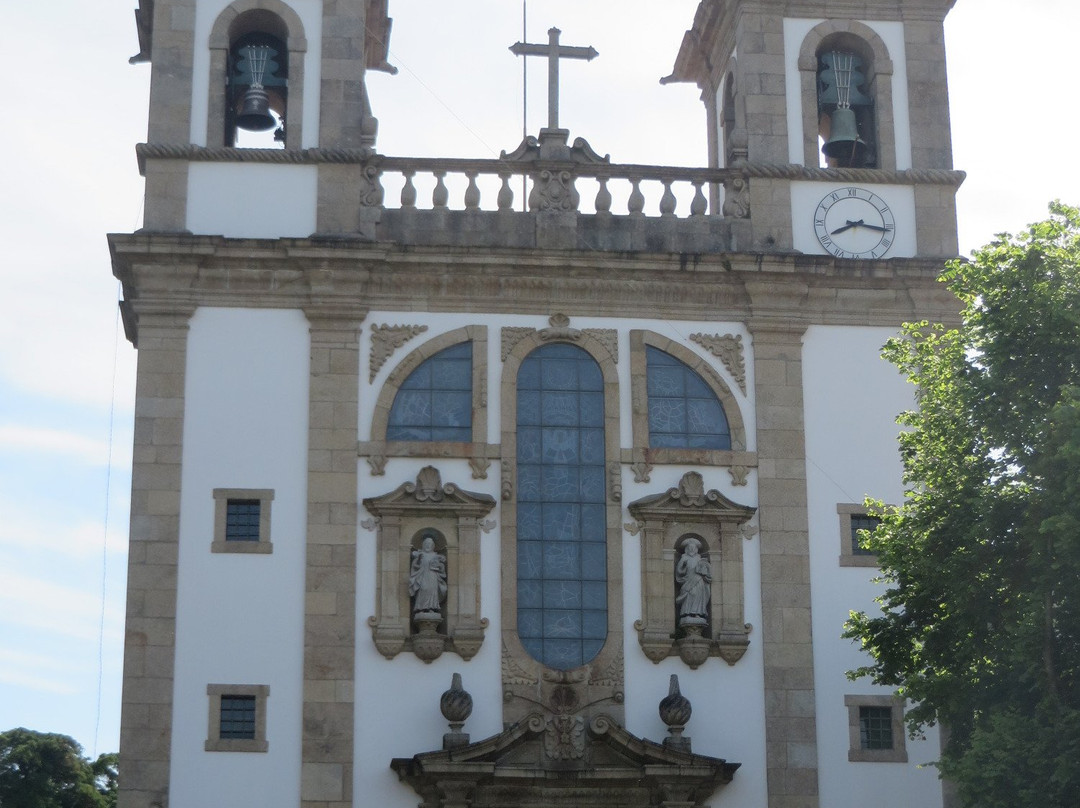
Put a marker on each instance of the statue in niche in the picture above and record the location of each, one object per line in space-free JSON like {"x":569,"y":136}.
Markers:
{"x":693,"y":574}
{"x":427,"y":579}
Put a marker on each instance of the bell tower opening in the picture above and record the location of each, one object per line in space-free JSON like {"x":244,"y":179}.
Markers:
{"x":846,"y":116}
{"x":256,"y":78}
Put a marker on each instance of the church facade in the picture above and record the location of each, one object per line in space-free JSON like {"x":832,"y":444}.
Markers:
{"x":437,"y":501}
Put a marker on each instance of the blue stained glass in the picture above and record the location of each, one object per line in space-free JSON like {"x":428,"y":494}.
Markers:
{"x":435,"y":402}
{"x":562,"y":501}
{"x":684,"y":412}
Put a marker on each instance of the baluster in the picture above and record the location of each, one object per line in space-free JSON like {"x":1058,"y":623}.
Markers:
{"x":667,"y":201}
{"x":408,"y":190}
{"x":636,"y":203}
{"x":700,"y":205}
{"x":506,"y":193}
{"x":472,"y":193}
{"x":603,"y":197}
{"x":440,"y":196}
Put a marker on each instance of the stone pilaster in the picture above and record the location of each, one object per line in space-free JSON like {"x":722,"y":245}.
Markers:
{"x":330,"y":578}
{"x":150,"y":639}
{"x":790,"y":731}
{"x":343,"y":111}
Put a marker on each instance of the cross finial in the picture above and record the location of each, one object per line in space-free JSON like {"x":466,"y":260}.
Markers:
{"x":553,"y":51}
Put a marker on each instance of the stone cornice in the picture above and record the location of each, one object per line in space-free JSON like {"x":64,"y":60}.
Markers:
{"x":162,"y":271}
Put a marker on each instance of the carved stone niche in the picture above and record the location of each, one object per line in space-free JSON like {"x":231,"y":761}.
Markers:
{"x":451,"y":517}
{"x":669,"y":523}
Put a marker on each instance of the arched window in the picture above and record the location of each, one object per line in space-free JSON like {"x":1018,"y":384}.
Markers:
{"x":561,"y":507}
{"x":684,"y":412}
{"x":435,"y":402}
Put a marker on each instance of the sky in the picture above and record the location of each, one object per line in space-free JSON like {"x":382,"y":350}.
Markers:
{"x":76,"y":110}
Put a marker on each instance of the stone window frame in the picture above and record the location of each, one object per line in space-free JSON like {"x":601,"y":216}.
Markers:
{"x":265,"y":496}
{"x":848,"y":557}
{"x":214,"y":741}
{"x":856,"y":754}
{"x":860,"y":38}
{"x":600,"y":681}
{"x":378,"y":449}
{"x":400,"y":516}
{"x":221,"y":36}
{"x":736,"y":456}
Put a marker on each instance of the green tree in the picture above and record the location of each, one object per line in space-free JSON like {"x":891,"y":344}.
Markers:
{"x":46,"y":770}
{"x":980,"y":622}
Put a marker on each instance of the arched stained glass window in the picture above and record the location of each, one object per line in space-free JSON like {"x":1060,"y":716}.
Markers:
{"x":684,"y":412}
{"x":435,"y":402}
{"x":561,"y":507}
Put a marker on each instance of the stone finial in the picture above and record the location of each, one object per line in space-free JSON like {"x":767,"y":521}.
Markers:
{"x":675,"y":711}
{"x":456,"y":706}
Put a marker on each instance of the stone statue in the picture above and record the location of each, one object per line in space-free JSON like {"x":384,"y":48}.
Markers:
{"x":694,"y":577}
{"x":427,"y":579}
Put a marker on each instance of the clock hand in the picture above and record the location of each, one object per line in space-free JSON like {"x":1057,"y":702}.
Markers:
{"x":875,"y":227}
{"x":850,"y":224}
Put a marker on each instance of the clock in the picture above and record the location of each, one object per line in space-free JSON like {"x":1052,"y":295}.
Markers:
{"x":854,"y":223}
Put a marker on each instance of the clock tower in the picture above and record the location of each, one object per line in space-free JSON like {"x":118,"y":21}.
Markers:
{"x":841,"y":111}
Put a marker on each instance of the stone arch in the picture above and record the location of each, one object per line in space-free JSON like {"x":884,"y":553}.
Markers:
{"x":862,"y":39}
{"x":526,"y":682}
{"x":475,"y":334}
{"x":701,"y":366}
{"x":238,"y":18}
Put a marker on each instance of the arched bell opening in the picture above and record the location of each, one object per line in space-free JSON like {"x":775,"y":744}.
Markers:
{"x":847,"y":130}
{"x":257,"y":81}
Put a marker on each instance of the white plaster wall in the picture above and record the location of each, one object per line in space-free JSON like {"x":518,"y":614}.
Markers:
{"x":852,"y":397}
{"x":206,"y":13}
{"x":240,"y":616}
{"x":728,"y":701}
{"x":892,"y":34}
{"x":805,"y":197}
{"x":248,"y":200}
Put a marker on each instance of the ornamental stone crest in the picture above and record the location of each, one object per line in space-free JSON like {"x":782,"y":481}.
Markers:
{"x":729,"y":350}
{"x":385,"y":339}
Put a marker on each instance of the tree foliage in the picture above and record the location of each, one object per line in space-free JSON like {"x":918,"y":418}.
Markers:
{"x":980,"y":622}
{"x":46,"y":770}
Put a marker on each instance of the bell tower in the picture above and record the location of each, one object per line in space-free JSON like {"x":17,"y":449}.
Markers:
{"x":839,"y":115}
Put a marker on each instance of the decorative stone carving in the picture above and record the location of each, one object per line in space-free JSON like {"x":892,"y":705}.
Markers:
{"x":456,"y":706}
{"x":370,"y":523}
{"x":559,"y":329}
{"x":675,"y":711}
{"x":739,"y":474}
{"x":506,"y":484}
{"x":642,"y":471}
{"x":479,"y":466}
{"x":694,"y":531}
{"x":511,"y":336}
{"x":729,"y":350}
{"x":370,"y":187}
{"x":564,"y":738}
{"x":608,"y":337}
{"x":488,"y":525}
{"x":513,"y":673}
{"x":385,"y":339}
{"x":425,"y":529}
{"x":378,"y":464}
{"x":634,"y":528}
{"x":615,"y":481}
{"x":737,"y":198}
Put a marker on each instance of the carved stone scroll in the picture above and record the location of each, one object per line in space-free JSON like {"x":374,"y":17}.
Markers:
{"x":385,"y":339}
{"x":729,"y":350}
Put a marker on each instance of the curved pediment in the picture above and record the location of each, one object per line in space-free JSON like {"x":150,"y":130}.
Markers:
{"x":690,"y":499}
{"x":429,"y":493}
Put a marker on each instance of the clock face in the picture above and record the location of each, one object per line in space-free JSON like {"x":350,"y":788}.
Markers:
{"x":854,"y":223}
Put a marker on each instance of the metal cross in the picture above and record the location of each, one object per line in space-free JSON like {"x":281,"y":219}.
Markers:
{"x":553,"y":51}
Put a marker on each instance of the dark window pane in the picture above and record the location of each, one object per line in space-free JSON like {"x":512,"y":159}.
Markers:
{"x":561,"y":506}
{"x":683,"y":411}
{"x":242,"y":519}
{"x":435,"y":402}
{"x":237,"y":717}
{"x":875,"y":727}
{"x":862,"y":522}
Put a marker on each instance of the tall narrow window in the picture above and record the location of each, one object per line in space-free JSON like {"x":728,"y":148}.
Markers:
{"x":435,"y":402}
{"x":684,"y":412}
{"x":562,"y":497}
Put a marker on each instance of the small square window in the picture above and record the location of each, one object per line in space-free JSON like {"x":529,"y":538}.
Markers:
{"x":242,"y":520}
{"x":237,"y":721}
{"x":876,"y":729}
{"x":854,"y":518}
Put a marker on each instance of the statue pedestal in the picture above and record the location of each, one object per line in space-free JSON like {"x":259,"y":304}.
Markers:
{"x":428,"y":644}
{"x":693,"y":647}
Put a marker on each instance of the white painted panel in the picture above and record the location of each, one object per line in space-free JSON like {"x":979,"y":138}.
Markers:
{"x":805,"y":197}
{"x":852,"y":397}
{"x":795,"y":31}
{"x":242,"y":200}
{"x":206,"y":13}
{"x":240,"y":616}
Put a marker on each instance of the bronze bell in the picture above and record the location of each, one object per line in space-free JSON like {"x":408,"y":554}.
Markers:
{"x":254,"y":114}
{"x":844,"y":144}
